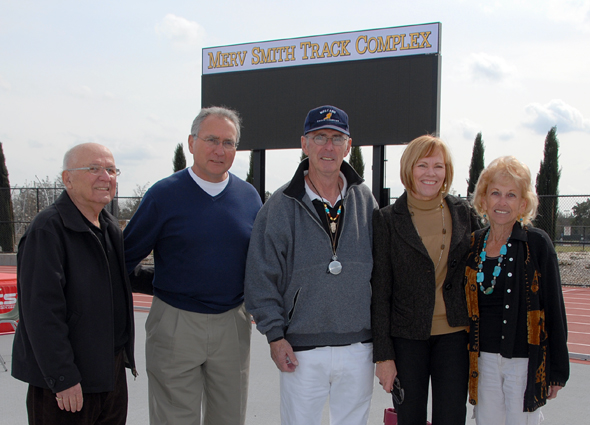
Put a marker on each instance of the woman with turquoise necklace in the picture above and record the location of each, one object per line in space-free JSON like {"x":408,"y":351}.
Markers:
{"x":518,"y":354}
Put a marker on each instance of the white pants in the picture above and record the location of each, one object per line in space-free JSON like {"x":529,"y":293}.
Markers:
{"x":345,"y":374}
{"x":500,"y":395}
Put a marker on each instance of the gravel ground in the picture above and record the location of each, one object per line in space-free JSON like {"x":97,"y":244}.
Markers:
{"x":575,"y":268}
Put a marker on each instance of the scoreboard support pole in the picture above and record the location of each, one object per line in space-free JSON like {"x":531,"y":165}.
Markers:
{"x":380,"y":193}
{"x":259,"y":166}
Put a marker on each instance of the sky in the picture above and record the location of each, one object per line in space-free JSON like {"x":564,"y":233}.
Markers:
{"x":127,"y":74}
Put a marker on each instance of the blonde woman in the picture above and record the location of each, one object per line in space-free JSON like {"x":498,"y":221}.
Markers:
{"x":518,"y":331}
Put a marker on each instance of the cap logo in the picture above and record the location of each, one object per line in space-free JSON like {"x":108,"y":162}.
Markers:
{"x":329,"y":113}
{"x":326,"y":117}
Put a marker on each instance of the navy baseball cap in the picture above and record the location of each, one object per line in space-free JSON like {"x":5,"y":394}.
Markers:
{"x":326,"y":117}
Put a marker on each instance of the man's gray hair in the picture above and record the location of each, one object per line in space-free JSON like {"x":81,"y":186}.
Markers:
{"x":68,"y":158}
{"x":219,"y":111}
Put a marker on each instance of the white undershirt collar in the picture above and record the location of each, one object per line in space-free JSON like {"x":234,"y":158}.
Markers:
{"x":312,"y":195}
{"x":211,"y":188}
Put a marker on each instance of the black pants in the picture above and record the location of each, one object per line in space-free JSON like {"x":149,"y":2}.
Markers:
{"x":443,"y":360}
{"x":109,"y":408}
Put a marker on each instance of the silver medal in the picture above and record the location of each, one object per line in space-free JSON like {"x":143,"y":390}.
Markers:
{"x":335,"y":267}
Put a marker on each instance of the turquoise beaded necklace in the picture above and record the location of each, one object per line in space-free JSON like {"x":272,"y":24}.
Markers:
{"x":497,"y":269}
{"x":333,"y":219}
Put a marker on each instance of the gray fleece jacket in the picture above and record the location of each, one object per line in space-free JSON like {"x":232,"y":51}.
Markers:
{"x":288,"y":289}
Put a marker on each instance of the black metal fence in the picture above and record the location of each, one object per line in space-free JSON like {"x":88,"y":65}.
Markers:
{"x":571,"y":237}
{"x":570,"y":223}
{"x":27,"y":202}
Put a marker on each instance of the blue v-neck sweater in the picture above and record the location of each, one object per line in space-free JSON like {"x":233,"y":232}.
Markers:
{"x":199,"y":241}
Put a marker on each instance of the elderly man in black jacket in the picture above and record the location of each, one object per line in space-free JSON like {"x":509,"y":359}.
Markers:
{"x":76,"y":330}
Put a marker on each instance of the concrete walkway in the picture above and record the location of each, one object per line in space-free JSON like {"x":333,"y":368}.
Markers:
{"x":571,"y":407}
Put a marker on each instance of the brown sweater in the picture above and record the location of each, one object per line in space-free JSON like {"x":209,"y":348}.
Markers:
{"x":427,"y":217}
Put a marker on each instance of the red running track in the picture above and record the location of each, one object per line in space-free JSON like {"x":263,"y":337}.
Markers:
{"x":577,"y":307}
{"x":142,"y":302}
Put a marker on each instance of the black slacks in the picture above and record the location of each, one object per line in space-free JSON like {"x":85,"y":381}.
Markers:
{"x":108,"y":408}
{"x":441,"y":360}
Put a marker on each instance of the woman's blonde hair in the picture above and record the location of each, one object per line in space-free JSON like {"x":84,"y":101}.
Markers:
{"x":511,"y":168}
{"x":419,"y":148}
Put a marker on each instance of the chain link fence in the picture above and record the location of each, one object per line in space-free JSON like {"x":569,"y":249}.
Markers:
{"x":566,"y":217}
{"x":27,"y":202}
{"x":571,"y":236}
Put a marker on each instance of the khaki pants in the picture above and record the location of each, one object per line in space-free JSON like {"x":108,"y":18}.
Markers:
{"x":197,"y":365}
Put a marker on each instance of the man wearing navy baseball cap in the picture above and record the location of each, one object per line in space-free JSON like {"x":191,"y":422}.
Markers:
{"x":308,"y":279}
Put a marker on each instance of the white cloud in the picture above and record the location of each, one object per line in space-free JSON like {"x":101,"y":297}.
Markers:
{"x":506,"y":135}
{"x":4,"y":84}
{"x":154,"y":118}
{"x":576,"y":12}
{"x":34,"y":144}
{"x":481,"y":67}
{"x":467,"y":128}
{"x":183,"y":34}
{"x":572,"y":12}
{"x":81,"y":91}
{"x":557,"y":112}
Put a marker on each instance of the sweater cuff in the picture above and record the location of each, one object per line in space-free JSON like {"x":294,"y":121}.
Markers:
{"x":383,"y":353}
{"x":275,"y":334}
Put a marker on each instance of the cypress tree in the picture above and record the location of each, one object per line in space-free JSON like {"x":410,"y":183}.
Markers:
{"x":477,"y":164}
{"x":250,"y":175}
{"x":6,"y":213}
{"x":356,"y":160}
{"x":179,"y":161}
{"x":547,"y":185}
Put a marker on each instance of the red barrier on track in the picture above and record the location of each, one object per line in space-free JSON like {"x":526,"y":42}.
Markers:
{"x":7,"y":297}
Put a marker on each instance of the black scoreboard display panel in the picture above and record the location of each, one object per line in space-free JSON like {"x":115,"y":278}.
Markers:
{"x":389,"y":101}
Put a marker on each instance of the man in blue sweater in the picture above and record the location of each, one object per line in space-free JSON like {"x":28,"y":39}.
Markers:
{"x":198,"y":223}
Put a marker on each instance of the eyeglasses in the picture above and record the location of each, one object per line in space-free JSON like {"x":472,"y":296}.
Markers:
{"x":228,"y":145}
{"x":97,"y":169}
{"x":321,"y":140}
{"x":397,"y":392}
